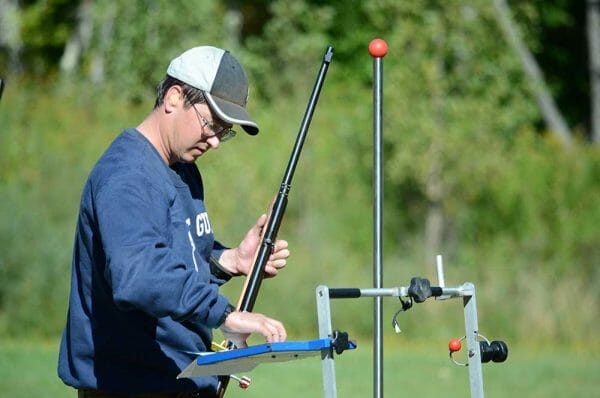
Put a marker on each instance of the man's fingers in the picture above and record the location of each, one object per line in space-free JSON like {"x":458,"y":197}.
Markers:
{"x":280,"y":256}
{"x":280,"y":244}
{"x":239,"y":324}
{"x":272,"y":330}
{"x":275,"y":332}
{"x":262,"y":220}
{"x":273,"y":268}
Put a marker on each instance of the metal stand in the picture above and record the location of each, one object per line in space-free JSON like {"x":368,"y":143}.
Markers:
{"x":330,"y":342}
{"x":419,"y":291}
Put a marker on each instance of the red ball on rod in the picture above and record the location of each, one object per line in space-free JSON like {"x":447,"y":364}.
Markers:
{"x":378,"y":48}
{"x":454,"y":345}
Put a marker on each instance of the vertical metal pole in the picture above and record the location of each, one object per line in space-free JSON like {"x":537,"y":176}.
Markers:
{"x":377,"y":49}
{"x":377,"y":231}
{"x":472,"y":339}
{"x":325,"y":330}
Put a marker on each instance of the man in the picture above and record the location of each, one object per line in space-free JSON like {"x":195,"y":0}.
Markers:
{"x":146,"y":267}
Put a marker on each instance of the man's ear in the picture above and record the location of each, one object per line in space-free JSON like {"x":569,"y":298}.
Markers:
{"x":174,"y":96}
{"x":174,"y":99}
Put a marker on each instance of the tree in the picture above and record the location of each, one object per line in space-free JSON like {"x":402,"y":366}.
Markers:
{"x":10,"y":35}
{"x":554,"y":120}
{"x":79,"y":41}
{"x":593,"y":28}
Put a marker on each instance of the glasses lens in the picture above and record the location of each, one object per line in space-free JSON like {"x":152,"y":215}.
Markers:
{"x":227,"y":134}
{"x":224,"y":133}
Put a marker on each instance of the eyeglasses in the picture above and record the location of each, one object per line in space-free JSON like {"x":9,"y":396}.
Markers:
{"x":222,"y":133}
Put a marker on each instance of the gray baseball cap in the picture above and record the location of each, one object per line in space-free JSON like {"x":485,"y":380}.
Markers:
{"x":222,"y":79}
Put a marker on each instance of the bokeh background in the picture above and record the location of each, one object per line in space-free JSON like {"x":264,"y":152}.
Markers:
{"x":491,"y":153}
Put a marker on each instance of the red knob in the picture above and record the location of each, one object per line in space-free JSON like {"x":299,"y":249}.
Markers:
{"x":454,"y":345}
{"x":245,"y":382}
{"x":378,"y":48}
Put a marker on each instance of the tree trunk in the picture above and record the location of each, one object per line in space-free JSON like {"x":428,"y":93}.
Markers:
{"x":79,"y":41}
{"x":233,"y":25}
{"x":434,"y":189}
{"x":10,"y":36}
{"x":552,"y":116}
{"x":593,"y":33}
{"x":107,"y":19}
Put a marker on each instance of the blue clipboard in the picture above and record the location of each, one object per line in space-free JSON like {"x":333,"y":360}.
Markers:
{"x":246,"y":359}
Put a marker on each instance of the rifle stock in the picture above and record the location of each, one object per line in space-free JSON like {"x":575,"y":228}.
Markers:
{"x":271,"y":228}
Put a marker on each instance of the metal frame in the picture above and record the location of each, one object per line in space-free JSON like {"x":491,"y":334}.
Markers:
{"x":467,"y":291}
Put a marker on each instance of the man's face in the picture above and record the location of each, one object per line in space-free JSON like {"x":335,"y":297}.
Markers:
{"x":196,"y":131}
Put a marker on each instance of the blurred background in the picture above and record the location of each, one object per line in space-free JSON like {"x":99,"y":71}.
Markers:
{"x":491,"y":157}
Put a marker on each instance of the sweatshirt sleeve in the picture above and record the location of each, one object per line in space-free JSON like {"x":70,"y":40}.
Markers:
{"x":142,"y":269}
{"x":219,"y":275}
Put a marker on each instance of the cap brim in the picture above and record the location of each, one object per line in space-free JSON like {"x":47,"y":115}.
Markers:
{"x":231,"y":113}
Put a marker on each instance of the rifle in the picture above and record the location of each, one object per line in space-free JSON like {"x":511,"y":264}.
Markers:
{"x":269,"y":232}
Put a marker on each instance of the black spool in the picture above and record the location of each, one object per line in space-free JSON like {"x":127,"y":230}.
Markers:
{"x":496,"y":351}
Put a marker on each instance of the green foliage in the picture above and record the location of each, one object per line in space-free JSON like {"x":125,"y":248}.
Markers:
{"x":296,"y":30}
{"x":50,"y":139}
{"x":145,"y":34}
{"x":43,"y":50}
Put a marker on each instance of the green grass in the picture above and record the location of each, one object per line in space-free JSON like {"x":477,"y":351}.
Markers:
{"x":29,"y":370}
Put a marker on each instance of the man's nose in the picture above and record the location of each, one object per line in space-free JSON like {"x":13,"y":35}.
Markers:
{"x":214,"y":142}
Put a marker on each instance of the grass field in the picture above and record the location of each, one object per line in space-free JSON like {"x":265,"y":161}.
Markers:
{"x":29,"y":370}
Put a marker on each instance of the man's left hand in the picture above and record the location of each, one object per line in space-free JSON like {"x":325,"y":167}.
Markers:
{"x":241,"y":259}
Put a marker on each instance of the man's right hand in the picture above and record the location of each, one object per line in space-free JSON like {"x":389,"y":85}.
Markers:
{"x":239,"y":325}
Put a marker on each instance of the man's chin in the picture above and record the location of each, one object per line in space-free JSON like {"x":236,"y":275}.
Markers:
{"x":194,"y":154}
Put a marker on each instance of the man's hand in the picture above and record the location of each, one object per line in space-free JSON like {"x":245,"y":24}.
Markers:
{"x":240,"y":260}
{"x":239,"y":325}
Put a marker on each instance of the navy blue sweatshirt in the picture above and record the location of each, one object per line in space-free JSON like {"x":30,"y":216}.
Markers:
{"x":142,"y":296}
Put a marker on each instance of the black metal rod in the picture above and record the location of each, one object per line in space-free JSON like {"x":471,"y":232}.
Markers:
{"x":272,"y":228}
{"x":254,"y":279}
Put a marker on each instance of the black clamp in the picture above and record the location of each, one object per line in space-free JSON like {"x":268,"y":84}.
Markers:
{"x":340,"y":342}
{"x":419,"y":289}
